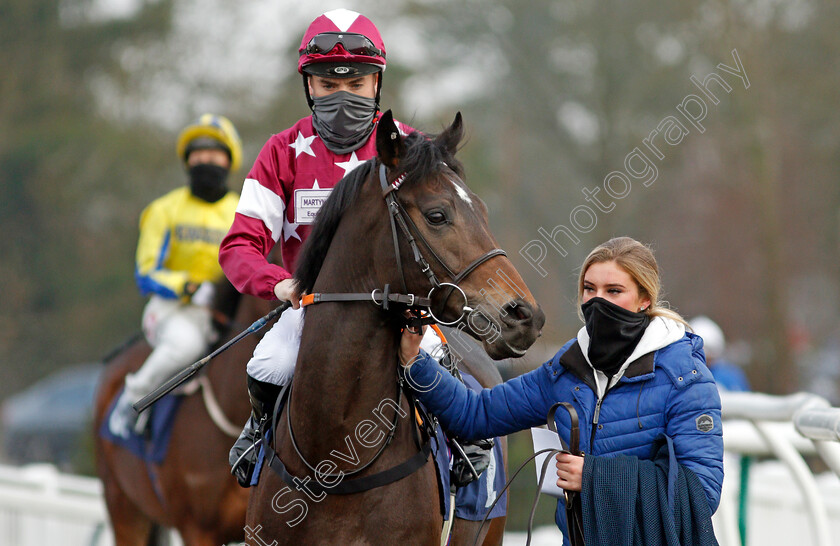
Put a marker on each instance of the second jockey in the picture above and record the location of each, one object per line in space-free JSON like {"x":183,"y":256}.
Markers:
{"x":177,"y":262}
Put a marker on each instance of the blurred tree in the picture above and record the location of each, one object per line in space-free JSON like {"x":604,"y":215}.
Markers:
{"x":741,"y":214}
{"x":66,"y":176}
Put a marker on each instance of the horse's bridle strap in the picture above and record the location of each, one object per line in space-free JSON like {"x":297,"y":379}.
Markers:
{"x":402,"y":219}
{"x":477,"y":262}
{"x":377,"y":297}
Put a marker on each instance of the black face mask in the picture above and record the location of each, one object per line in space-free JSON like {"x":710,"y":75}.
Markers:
{"x":343,"y":120}
{"x":207,"y":182}
{"x":613,"y":333}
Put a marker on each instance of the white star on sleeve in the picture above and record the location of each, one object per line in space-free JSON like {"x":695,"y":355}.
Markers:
{"x":303,"y":145}
{"x":290,"y":230}
{"x":350,"y":164}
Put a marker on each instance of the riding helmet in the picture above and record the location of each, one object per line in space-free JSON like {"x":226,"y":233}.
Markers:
{"x":210,"y":131}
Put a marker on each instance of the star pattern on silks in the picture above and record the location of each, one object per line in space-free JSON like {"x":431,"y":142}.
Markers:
{"x":303,"y":145}
{"x":350,"y":164}
{"x":290,"y":230}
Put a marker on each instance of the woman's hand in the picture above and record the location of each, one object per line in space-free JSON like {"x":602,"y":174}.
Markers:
{"x":410,"y":346}
{"x":286,"y":290}
{"x":569,"y":471}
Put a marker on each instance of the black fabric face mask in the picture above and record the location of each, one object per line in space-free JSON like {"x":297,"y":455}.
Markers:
{"x":343,"y":120}
{"x":208,"y":182}
{"x":613,"y":332}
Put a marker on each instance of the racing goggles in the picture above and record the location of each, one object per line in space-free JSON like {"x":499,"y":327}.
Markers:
{"x":356,"y":44}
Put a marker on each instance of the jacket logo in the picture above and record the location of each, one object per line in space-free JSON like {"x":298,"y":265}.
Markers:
{"x":705,"y":423}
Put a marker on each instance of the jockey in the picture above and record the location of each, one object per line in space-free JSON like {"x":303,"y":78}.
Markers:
{"x":342,"y":60}
{"x":177,"y":261}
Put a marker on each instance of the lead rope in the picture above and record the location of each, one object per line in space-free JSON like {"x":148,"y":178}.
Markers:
{"x":574,"y":437}
{"x":447,"y":525}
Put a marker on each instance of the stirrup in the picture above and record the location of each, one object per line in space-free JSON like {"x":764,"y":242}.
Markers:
{"x":243,"y":469}
{"x":239,"y":461}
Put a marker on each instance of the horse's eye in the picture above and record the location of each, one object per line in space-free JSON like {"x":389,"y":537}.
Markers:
{"x":435,"y":217}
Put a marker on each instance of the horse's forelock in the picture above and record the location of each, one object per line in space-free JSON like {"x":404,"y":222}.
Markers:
{"x":424,"y":157}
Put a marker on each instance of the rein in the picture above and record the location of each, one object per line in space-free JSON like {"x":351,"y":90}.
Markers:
{"x":573,"y":514}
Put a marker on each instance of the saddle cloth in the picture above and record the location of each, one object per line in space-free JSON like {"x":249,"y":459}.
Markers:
{"x":153,"y":445}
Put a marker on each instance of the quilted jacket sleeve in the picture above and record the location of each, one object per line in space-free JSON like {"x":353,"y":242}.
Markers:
{"x":694,"y":425}
{"x":512,"y":406}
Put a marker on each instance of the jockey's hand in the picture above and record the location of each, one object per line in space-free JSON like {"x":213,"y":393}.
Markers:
{"x":569,"y":471}
{"x":286,"y":290}
{"x":410,"y":345}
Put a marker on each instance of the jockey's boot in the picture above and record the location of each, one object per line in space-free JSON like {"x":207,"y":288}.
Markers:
{"x":243,"y":454}
{"x":470,"y":459}
{"x":123,"y":418}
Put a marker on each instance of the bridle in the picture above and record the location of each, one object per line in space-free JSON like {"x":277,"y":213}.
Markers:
{"x":399,"y":217}
{"x":383,"y":297}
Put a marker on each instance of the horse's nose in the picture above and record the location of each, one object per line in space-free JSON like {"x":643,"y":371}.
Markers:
{"x":520,"y":314}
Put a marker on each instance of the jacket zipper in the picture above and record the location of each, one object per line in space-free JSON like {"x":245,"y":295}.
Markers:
{"x":595,"y":423}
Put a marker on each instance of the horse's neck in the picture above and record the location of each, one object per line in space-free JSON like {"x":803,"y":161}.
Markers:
{"x":347,"y":362}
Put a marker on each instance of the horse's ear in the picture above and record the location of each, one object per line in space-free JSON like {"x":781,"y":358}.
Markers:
{"x":452,"y":135}
{"x":389,"y":142}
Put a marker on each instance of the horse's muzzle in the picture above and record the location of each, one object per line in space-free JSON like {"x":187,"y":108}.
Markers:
{"x":519,"y":325}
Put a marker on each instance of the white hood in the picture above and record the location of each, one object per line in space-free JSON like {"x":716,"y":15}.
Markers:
{"x":661,"y":332}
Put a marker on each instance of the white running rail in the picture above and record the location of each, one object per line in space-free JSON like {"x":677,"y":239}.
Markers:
{"x":40,"y":506}
{"x":786,"y":428}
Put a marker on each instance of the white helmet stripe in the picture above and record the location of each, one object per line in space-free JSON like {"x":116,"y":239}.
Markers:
{"x":342,"y":18}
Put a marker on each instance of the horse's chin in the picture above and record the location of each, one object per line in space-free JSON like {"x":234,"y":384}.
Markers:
{"x":501,"y":349}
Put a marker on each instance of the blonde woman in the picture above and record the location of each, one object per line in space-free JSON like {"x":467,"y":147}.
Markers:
{"x":637,"y":380}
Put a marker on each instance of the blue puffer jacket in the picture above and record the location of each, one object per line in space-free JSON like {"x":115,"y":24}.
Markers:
{"x":669,"y":391}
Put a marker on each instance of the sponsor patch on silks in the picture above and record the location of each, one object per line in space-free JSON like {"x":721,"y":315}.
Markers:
{"x":307,"y":204}
{"x":705,"y":423}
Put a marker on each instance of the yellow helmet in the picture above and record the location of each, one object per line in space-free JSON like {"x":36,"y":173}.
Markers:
{"x":216,"y":127}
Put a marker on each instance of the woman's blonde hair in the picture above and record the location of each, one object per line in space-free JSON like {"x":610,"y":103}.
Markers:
{"x":637,"y":260}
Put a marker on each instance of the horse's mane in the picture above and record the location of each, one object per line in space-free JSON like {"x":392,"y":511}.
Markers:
{"x":422,"y":158}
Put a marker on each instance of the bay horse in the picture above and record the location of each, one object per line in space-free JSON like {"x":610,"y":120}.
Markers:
{"x":192,"y":490}
{"x":342,"y":402}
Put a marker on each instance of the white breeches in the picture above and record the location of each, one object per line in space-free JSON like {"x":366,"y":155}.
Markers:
{"x":276,"y":354}
{"x":179,"y":333}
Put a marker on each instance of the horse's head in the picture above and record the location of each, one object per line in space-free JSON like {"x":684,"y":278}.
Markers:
{"x":472,"y":283}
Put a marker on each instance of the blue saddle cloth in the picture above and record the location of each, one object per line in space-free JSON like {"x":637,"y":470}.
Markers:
{"x":152,"y":446}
